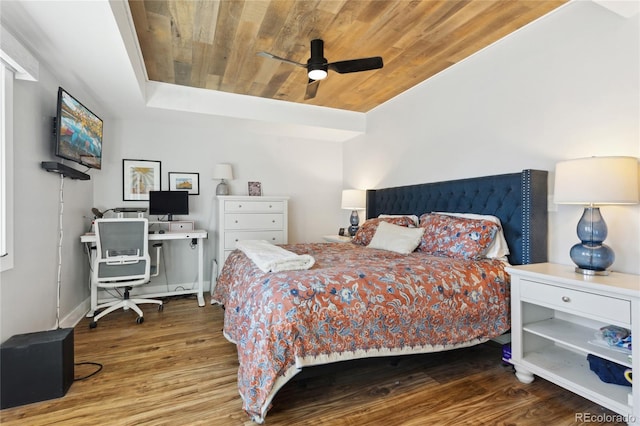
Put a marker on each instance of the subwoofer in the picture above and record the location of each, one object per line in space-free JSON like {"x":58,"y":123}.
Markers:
{"x":36,"y":367}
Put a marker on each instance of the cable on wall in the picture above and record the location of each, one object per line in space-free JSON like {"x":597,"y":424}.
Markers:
{"x":60,"y":238}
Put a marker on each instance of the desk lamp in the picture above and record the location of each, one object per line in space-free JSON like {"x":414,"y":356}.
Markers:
{"x":591,"y":182}
{"x":222,"y":171}
{"x":354,"y":199}
{"x":98,"y":214}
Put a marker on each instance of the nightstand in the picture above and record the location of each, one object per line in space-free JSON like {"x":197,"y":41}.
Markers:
{"x":555,"y":312}
{"x":336,"y":239}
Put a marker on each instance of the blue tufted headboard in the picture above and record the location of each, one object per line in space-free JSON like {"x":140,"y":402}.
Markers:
{"x":518,"y":199}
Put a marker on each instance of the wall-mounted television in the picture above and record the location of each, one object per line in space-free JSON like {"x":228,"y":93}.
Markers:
{"x":78,"y":132}
{"x":168,"y":203}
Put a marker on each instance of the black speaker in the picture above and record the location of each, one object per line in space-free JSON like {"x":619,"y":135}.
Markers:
{"x":36,"y":367}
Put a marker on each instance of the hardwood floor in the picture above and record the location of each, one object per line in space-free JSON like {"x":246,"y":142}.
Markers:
{"x":177,"y":369}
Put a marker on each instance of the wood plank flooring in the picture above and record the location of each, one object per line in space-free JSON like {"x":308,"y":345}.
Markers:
{"x":177,"y":369}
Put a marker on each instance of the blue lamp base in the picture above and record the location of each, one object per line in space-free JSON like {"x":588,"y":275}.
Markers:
{"x":354,"y":219}
{"x":591,"y":256}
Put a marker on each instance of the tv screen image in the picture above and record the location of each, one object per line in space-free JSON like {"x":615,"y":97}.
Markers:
{"x":168,"y":203}
{"x":78,"y":132}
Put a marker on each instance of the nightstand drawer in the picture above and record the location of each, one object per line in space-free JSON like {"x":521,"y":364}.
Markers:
{"x":594,"y":305}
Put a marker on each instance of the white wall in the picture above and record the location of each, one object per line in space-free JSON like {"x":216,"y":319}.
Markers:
{"x":564,"y":87}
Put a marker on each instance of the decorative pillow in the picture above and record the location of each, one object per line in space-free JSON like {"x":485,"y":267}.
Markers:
{"x":456,"y":237}
{"x":413,"y":217}
{"x":396,"y":238}
{"x":368,"y":229}
{"x":499,"y":249}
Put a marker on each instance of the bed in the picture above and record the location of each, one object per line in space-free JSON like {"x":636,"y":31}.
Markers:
{"x":357,"y":301}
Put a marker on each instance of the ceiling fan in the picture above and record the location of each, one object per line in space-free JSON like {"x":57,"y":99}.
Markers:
{"x":317,"y":66}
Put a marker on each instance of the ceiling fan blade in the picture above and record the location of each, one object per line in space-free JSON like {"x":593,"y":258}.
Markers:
{"x":312,"y":89}
{"x":356,"y":65}
{"x":271,"y":56}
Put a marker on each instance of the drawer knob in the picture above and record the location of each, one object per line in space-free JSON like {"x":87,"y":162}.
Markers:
{"x":273,"y":221}
{"x":236,"y":221}
{"x":237,"y":240}
{"x":273,"y":238}
{"x":566,"y":299}
{"x":239,"y":205}
{"x":270,"y":206}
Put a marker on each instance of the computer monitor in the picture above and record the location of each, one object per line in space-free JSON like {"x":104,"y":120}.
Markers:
{"x":168,"y":203}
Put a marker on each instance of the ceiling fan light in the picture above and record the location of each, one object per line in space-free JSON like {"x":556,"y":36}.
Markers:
{"x":319,"y":74}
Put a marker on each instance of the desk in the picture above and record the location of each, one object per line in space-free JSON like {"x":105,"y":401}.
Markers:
{"x":90,"y":239}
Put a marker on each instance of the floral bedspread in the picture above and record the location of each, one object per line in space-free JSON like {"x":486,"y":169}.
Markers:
{"x":355,"y":302}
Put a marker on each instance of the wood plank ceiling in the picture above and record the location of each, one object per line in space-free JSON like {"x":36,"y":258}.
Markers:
{"x":213,"y":44}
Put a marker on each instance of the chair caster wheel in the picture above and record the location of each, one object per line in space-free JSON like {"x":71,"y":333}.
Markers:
{"x":140,"y":320}
{"x":160,"y":307}
{"x":93,"y":324}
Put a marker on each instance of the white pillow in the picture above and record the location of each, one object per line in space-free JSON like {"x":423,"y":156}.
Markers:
{"x":396,"y":238}
{"x":413,"y":217}
{"x":498,"y":248}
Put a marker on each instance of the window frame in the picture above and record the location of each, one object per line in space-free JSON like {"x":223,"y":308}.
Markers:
{"x":6,"y":168}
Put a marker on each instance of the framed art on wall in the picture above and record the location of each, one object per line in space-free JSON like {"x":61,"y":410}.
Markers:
{"x":138,"y":178}
{"x":185,"y":182}
{"x":255,"y":188}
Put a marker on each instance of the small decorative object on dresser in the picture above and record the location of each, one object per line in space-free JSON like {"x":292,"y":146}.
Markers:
{"x":556,"y":318}
{"x":255,"y":189}
{"x":592,"y":182}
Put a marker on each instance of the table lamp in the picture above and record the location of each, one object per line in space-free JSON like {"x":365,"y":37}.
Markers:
{"x":354,"y":200}
{"x":591,"y":182}
{"x":223,"y":172}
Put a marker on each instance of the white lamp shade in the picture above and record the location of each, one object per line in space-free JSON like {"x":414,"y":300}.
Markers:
{"x":222,"y":171}
{"x":597,"y":180}
{"x":354,"y":199}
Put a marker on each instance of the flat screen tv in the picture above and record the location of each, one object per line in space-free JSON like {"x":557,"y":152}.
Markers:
{"x":78,"y":132}
{"x":168,"y":203}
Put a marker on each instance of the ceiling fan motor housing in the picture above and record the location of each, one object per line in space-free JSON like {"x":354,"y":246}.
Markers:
{"x":317,"y":61}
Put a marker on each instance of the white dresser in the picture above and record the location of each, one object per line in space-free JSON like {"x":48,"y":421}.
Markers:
{"x":250,"y":218}
{"x":554,"y":316}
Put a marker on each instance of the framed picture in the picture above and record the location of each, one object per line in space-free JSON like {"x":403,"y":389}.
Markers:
{"x":255,"y":188}
{"x":138,"y":178}
{"x":185,"y":182}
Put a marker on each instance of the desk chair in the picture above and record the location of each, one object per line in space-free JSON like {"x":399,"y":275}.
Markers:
{"x":122,"y":261}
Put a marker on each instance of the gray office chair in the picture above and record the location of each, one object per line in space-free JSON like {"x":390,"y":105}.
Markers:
{"x":122,"y":261}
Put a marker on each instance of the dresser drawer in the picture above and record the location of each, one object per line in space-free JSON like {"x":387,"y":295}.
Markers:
{"x":254,"y":206}
{"x":594,"y":305}
{"x":231,"y":237}
{"x":253,"y":221}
